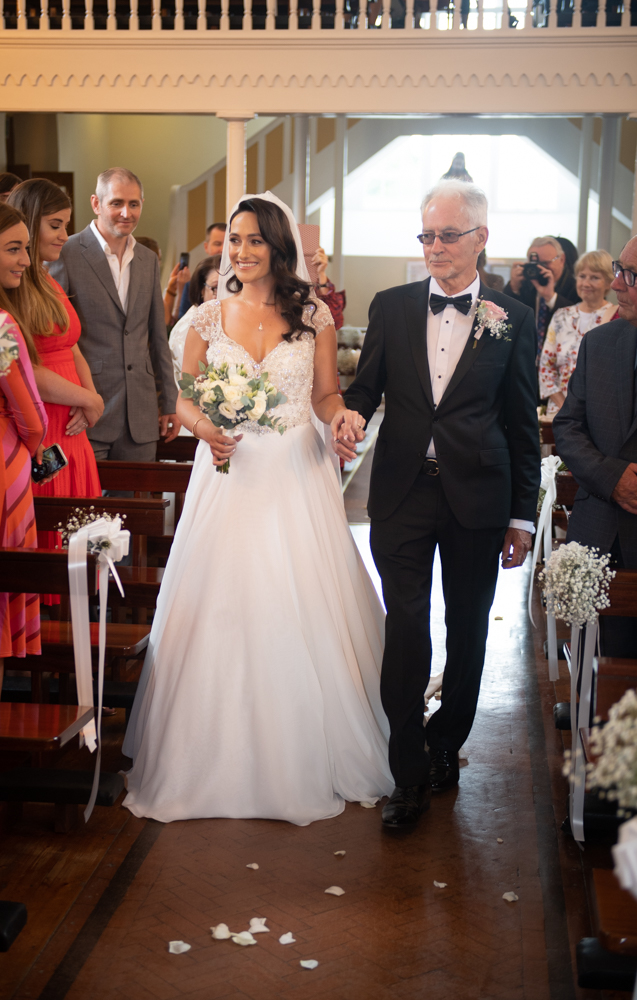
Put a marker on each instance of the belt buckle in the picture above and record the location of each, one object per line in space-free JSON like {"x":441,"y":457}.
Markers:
{"x":435,"y":471}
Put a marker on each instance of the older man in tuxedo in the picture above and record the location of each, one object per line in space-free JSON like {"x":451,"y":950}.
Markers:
{"x":596,"y":435}
{"x":113,"y":283}
{"x":456,"y":467}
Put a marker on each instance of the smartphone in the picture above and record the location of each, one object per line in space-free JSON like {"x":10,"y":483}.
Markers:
{"x":310,"y":241}
{"x":53,"y":459}
{"x":184,"y":260}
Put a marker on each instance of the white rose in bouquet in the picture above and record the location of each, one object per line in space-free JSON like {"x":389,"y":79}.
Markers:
{"x":235,"y":379}
{"x":227,"y":410}
{"x":232,"y":394}
{"x":260,"y":403}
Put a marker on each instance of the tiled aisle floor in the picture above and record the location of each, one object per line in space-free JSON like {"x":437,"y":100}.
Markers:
{"x":392,"y":935}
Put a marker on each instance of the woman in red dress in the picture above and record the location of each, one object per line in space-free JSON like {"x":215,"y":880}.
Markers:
{"x":62,"y":375}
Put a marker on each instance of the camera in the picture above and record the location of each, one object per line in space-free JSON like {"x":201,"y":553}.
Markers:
{"x":531,"y":271}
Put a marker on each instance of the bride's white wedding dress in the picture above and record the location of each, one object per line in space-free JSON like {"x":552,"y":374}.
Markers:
{"x":260,"y":692}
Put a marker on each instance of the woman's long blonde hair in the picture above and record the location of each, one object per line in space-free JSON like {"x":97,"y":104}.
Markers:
{"x":36,"y":198}
{"x":15,"y":300}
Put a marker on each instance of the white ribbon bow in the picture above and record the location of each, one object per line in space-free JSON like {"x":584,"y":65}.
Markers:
{"x":88,"y":538}
{"x":550,"y":465}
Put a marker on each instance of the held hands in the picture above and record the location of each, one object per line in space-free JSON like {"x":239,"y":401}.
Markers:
{"x":77,"y":421}
{"x":169,"y":426}
{"x":348,"y":427}
{"x":517,"y":543}
{"x":81,"y":417}
{"x":625,"y":493}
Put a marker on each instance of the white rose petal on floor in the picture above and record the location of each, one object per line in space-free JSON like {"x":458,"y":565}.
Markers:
{"x":221,"y":932}
{"x":309,"y":963}
{"x":500,"y":840}
{"x":254,"y":866}
{"x":510,"y":897}
{"x":287,"y":938}
{"x":244,"y":939}
{"x":257,"y":926}
{"x":370,"y":804}
{"x":440,"y":885}
{"x":178,"y":947}
{"x":339,"y":854}
{"x":335,"y":890}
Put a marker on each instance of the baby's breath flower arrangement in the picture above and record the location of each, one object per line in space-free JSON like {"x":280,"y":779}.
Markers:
{"x":576,"y":580}
{"x":82,"y":516}
{"x":615,"y":746}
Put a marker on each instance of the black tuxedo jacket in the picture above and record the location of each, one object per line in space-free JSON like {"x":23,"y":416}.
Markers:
{"x":596,"y":435}
{"x":485,"y":427}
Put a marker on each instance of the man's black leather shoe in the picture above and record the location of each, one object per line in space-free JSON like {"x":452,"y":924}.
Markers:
{"x":405,"y":806}
{"x":445,"y":770}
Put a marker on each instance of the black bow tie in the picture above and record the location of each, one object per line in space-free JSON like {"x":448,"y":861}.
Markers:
{"x":438,"y":302}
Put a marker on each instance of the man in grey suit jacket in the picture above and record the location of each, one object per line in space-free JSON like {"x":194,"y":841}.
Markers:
{"x":113,"y":283}
{"x":596,"y":435}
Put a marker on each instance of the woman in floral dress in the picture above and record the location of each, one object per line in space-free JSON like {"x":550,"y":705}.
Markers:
{"x":593,"y":276}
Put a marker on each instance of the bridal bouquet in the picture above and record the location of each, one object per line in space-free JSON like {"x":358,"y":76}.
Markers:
{"x":9,"y":350}
{"x":228,"y":398}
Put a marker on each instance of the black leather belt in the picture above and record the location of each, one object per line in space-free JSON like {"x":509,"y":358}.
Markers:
{"x":430,"y":467}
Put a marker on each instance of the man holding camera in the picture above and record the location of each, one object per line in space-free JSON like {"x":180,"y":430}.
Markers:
{"x":544,"y":283}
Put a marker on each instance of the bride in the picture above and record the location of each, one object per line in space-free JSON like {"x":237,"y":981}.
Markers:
{"x":260,"y":691}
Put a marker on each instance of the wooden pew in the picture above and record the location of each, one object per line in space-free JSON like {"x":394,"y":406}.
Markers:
{"x":609,"y":961}
{"x":37,"y":726}
{"x":144,"y":518}
{"x":27,"y":571}
{"x":613,"y":678}
{"x":182,"y":449}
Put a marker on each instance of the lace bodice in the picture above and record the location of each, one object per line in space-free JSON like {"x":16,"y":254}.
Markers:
{"x":290,"y":366}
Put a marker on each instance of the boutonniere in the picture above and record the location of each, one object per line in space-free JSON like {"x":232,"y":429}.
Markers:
{"x":492,"y":318}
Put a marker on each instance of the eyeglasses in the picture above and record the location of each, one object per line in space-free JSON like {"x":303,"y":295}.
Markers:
{"x":211,"y":288}
{"x":628,"y":275}
{"x":545,"y":263}
{"x":428,"y":239}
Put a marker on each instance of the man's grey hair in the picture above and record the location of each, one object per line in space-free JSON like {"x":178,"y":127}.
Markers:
{"x":120,"y":173}
{"x":545,"y":241}
{"x":474,"y":198}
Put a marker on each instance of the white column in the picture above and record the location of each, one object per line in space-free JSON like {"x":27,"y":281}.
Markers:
{"x":340,"y":167}
{"x":235,"y":155}
{"x":607,"y":164}
{"x":300,"y":167}
{"x":585,"y":161}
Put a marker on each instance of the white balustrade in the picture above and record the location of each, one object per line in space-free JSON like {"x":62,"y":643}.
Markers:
{"x":481,"y":16}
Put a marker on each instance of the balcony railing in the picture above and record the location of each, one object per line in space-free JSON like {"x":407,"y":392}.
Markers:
{"x":578,"y":16}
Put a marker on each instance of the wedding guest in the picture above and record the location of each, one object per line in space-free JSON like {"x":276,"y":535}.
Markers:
{"x":456,"y":468}
{"x":596,"y":435}
{"x":8,"y":182}
{"x":62,"y":375}
{"x":213,"y":245}
{"x":557,"y":292}
{"x":324,"y":288}
{"x":593,"y":276}
{"x":203,"y":288}
{"x":114,"y":284}
{"x":22,"y":429}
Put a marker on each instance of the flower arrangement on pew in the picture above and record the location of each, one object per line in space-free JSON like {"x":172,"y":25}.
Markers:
{"x":9,"y":350}
{"x":576,"y":580}
{"x":80,"y":518}
{"x":228,"y":398}
{"x":614,"y":771}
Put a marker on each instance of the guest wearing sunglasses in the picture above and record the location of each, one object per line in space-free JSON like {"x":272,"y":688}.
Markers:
{"x":596,"y":435}
{"x":456,"y":467}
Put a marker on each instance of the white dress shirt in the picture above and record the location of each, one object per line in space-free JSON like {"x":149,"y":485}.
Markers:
{"x":121,"y":273}
{"x":447,"y":335}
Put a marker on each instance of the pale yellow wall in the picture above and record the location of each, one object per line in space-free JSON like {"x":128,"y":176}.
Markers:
{"x":364,"y":276}
{"x":162,"y":149}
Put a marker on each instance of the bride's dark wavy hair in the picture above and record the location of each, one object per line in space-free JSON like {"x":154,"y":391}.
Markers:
{"x":291,"y":294}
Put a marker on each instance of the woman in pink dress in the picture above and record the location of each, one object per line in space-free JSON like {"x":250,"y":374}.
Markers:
{"x":22,"y":428}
